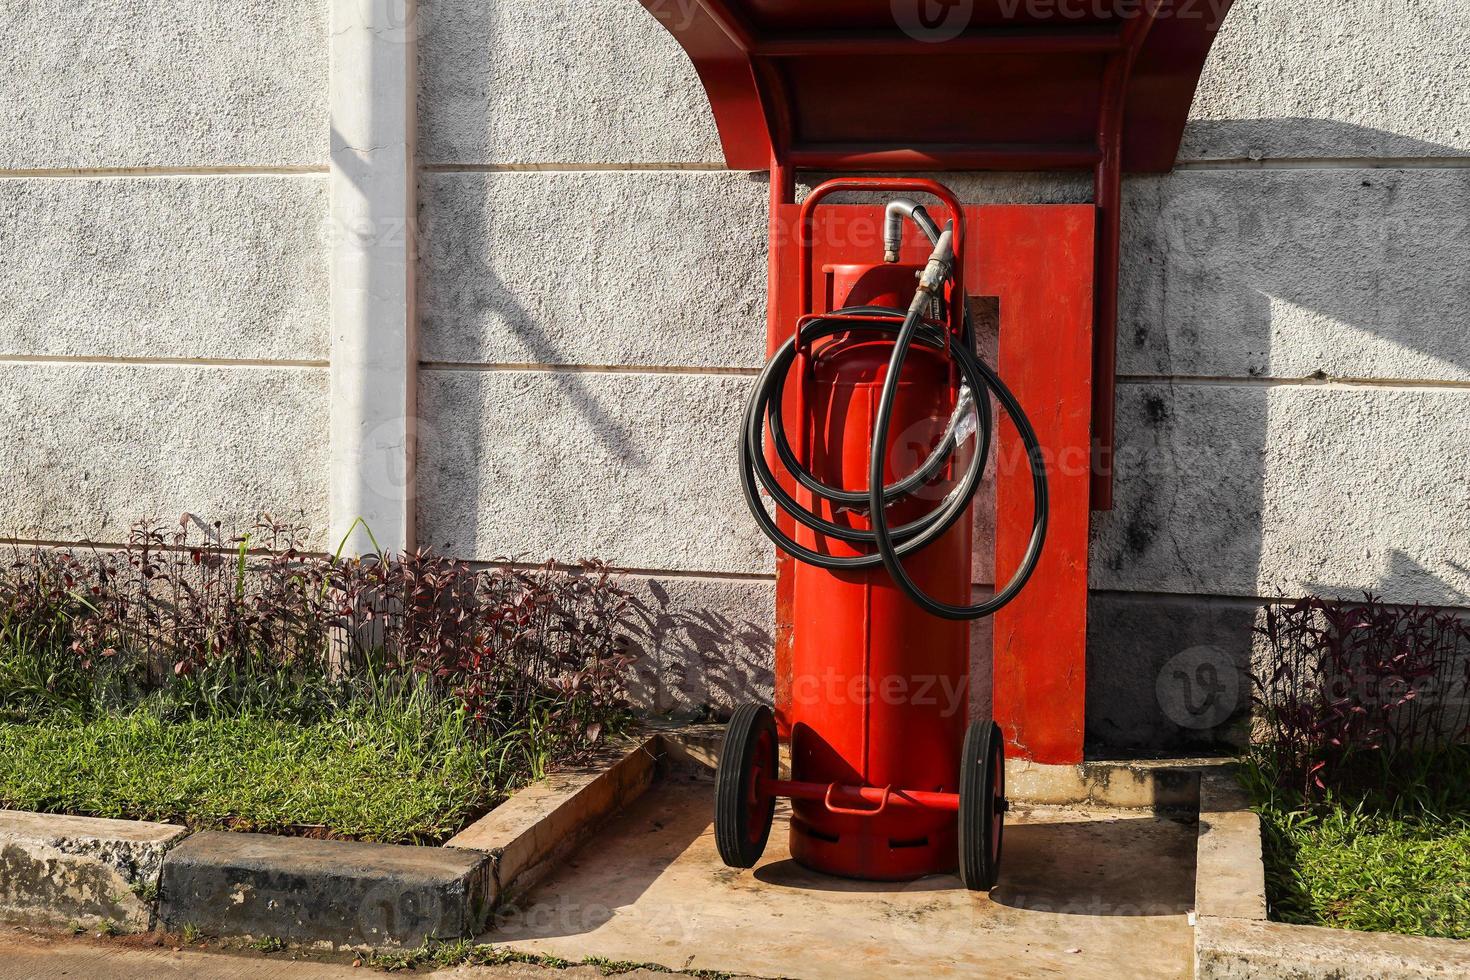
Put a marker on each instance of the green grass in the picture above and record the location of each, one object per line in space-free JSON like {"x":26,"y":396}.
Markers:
{"x":359,"y":775}
{"x":256,"y":745}
{"x":1370,"y":860}
{"x":392,"y":699}
{"x":1376,"y":873}
{"x":374,"y":757}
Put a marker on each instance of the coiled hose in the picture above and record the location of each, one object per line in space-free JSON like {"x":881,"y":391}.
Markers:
{"x":890,"y":545}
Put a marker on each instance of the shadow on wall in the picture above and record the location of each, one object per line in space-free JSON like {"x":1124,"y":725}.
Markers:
{"x":453,"y":229}
{"x":1277,"y":482}
{"x":1302,"y":138}
{"x":693,"y":659}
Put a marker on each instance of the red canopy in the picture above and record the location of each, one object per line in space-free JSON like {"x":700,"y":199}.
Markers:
{"x":945,"y":84}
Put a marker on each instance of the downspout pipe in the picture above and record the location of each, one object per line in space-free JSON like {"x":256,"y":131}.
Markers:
{"x":374,"y":356}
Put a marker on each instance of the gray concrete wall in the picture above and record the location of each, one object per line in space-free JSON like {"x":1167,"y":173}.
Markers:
{"x":591,"y":296}
{"x":163,"y":277}
{"x":1296,"y":373}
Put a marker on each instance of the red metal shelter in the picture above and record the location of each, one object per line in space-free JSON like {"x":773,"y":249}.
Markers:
{"x":904,"y":85}
{"x":1005,"y":85}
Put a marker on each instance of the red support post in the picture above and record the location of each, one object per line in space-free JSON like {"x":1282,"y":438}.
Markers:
{"x":1038,"y":261}
{"x":1108,"y":195}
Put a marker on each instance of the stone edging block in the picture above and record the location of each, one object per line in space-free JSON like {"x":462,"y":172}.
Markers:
{"x":133,"y":875}
{"x":345,"y":893}
{"x":1233,"y":939}
{"x":1134,"y":784}
{"x":544,"y":821}
{"x":1236,"y":949}
{"x":1230,"y":875}
{"x":91,"y":871}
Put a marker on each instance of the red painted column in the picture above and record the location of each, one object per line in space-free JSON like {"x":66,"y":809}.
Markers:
{"x":1038,"y":261}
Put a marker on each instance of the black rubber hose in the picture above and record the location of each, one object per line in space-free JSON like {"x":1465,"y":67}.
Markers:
{"x":890,"y":544}
{"x":762,"y":406}
{"x":878,"y":519}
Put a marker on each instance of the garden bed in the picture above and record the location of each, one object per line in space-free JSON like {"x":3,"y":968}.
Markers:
{"x":245,"y":684}
{"x":1356,"y":861}
{"x":354,"y":778}
{"x":1359,"y":769}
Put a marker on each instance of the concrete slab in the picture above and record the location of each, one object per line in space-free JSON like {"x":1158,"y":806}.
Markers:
{"x":1086,"y":893}
{"x":314,"y":891}
{"x":87,"y":870}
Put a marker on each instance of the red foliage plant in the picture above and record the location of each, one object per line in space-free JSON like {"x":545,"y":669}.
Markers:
{"x":1340,"y":679}
{"x":505,"y":640}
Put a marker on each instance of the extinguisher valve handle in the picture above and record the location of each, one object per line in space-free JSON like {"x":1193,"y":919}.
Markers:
{"x":941,"y":261}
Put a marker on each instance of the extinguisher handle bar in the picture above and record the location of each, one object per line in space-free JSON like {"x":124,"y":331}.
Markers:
{"x":856,"y":811}
{"x":805,"y":245}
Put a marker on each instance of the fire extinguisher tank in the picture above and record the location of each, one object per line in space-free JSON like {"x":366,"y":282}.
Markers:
{"x":879,"y":691}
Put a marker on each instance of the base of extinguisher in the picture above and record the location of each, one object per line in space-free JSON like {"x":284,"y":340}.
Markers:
{"x":863,"y":854}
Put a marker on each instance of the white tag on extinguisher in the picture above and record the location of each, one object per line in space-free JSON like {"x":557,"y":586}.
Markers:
{"x":965,"y":419}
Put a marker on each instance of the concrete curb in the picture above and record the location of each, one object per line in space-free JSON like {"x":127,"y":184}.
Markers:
{"x":1172,"y":784}
{"x":1233,"y":939}
{"x":1230,"y":873}
{"x":697,"y":747}
{"x":59,"y":870}
{"x":528,"y":833}
{"x":344,"y":893}
{"x":132,"y":876}
{"x":1236,"y":949}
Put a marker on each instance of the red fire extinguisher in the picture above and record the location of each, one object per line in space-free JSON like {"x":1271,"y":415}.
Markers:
{"x":889,"y":778}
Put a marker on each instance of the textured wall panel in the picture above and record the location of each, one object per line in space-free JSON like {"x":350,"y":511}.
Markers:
{"x":164,"y":267}
{"x":594,"y":268}
{"x":155,"y":83}
{"x":1286,"y":273}
{"x":1340,"y":78}
{"x":517,"y":81}
{"x":88,"y":449}
{"x":1289,"y":490}
{"x":638,"y":470}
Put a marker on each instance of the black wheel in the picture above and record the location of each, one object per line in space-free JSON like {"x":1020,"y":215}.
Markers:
{"x":982,"y":805}
{"x":743,"y":813}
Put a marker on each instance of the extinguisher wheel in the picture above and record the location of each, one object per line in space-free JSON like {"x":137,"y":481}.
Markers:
{"x":743,"y":813}
{"x":982,"y":805}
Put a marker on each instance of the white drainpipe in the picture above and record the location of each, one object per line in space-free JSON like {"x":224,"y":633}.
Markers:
{"x":374,"y":348}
